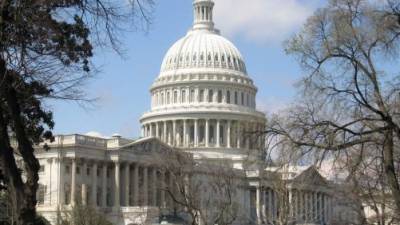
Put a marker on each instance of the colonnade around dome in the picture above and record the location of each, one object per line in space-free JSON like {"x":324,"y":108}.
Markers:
{"x":204,"y":133}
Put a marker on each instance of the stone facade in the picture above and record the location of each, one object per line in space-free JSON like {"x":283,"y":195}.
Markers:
{"x":203,"y":104}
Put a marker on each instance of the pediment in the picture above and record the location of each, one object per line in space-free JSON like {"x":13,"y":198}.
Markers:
{"x":147,"y":145}
{"x":310,"y":176}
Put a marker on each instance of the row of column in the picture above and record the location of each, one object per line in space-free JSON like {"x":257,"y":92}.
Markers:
{"x":303,"y":206}
{"x":205,"y":133}
{"x":199,"y":95}
{"x":132,"y":184}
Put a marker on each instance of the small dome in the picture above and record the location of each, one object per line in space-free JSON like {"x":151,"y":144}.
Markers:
{"x":203,"y":49}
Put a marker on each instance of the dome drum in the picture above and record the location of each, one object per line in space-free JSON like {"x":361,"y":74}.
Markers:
{"x":203,"y":101}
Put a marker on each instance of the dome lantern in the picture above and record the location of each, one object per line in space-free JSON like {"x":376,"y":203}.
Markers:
{"x":203,"y":15}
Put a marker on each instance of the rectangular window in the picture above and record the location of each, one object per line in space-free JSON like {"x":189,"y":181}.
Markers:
{"x":201,"y":96}
{"x":219,"y":96}
{"x":87,"y":171}
{"x":78,"y":170}
{"x":236,"y":98}
{"x":67,"y":169}
{"x":183,"y":96}
{"x":210,"y":95}
{"x":41,"y":169}
{"x":228,"y":97}
{"x":242,"y":98}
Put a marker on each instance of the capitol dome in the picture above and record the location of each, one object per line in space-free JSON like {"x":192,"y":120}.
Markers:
{"x":203,"y":100}
{"x":202,"y":49}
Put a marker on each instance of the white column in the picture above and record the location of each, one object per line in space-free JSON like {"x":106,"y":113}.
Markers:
{"x":228,"y":135}
{"x":84,"y":194}
{"x":207,"y":135}
{"x":154,"y":186}
{"x":117,"y":185}
{"x":94,"y":184}
{"x":104,"y":186}
{"x":247,"y":136}
{"x":163,"y":184}
{"x":151,"y":130}
{"x":174,"y":139}
{"x":325,"y":209}
{"x":185,"y":141}
{"x":258,"y":201}
{"x":157,"y":131}
{"x":83,"y":175}
{"x":238,"y":134}
{"x":127,"y":182}
{"x":73,"y":182}
{"x":218,"y":134}
{"x":196,"y":133}
{"x":60,"y":182}
{"x":270,"y":206}
{"x":165,"y":137}
{"x":136,"y":185}
{"x":145,"y":187}
{"x":263,"y":206}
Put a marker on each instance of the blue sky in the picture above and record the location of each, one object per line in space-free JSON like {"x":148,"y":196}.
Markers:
{"x":257,"y":27}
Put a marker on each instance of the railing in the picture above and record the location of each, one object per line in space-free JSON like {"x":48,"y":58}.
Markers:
{"x":76,"y":139}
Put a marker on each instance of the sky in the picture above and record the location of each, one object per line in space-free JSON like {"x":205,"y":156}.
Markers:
{"x":257,"y":27}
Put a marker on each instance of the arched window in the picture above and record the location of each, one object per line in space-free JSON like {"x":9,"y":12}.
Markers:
{"x":219,"y":96}
{"x":210,"y":95}
{"x":228,"y":97}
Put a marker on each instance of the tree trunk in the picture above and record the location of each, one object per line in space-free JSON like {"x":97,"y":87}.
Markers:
{"x":23,"y":195}
{"x":388,"y":163}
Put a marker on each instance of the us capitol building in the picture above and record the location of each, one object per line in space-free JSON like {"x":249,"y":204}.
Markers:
{"x":202,"y":104}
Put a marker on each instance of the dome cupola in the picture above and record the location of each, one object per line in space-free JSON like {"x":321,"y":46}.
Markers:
{"x":203,"y":100}
{"x":202,"y":48}
{"x":203,"y":15}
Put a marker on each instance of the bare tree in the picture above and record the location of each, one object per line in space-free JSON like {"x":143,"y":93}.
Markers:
{"x":203,"y":193}
{"x":45,"y":52}
{"x":350,"y":98}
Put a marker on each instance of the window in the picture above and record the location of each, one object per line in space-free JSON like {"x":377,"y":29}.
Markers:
{"x":228,"y":97}
{"x":183,"y":96}
{"x":210,"y":95}
{"x":78,"y":170}
{"x":242,"y":99}
{"x":247,"y":100}
{"x":162,"y":98}
{"x":175,"y":96}
{"x":168,"y":97}
{"x":40,"y":194}
{"x":219,"y":96}
{"x":191,"y":97}
{"x":236,"y":97}
{"x":87,"y":171}
{"x":201,"y":96}
{"x":41,"y":169}
{"x":67,"y":169}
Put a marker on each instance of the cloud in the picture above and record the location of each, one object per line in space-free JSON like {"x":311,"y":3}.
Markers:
{"x":272,"y":104}
{"x":95,"y":134}
{"x":262,"y":20}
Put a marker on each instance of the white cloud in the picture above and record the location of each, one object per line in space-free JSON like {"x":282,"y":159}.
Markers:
{"x":262,"y":20}
{"x":272,"y":104}
{"x":95,"y":134}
